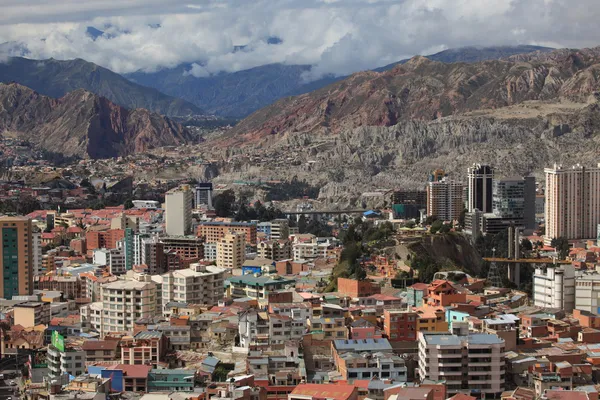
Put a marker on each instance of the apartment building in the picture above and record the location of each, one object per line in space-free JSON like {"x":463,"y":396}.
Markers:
{"x":253,"y":329}
{"x":400,"y":325}
{"x":123,"y":303}
{"x":274,"y":230}
{"x":572,"y":202}
{"x":36,"y":253}
{"x":473,"y":362}
{"x":113,"y":258}
{"x":107,"y":239}
{"x":257,"y":287}
{"x":554,"y":287}
{"x":231,"y":251}
{"x":213,"y":232}
{"x":145,"y":348}
{"x":186,"y":247}
{"x":309,"y":250}
{"x":32,"y":313}
{"x":100,"y":350}
{"x":276,"y":250}
{"x":198,"y":284}
{"x":360,"y":366}
{"x":445,"y":199}
{"x":203,"y":195}
{"x":210,"y":251}
{"x":16,"y":258}
{"x":64,"y":359}
{"x":178,"y":211}
{"x":328,"y":328}
{"x":587,"y":293}
{"x":283,"y":328}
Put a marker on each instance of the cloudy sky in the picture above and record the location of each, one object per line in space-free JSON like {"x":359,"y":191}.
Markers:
{"x":335,"y":36}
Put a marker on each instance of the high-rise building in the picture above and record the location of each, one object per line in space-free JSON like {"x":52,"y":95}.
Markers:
{"x":437,"y":175}
{"x":554,"y":287}
{"x":471,"y":362}
{"x":214,"y":231}
{"x":587,"y":293}
{"x":231,"y":251}
{"x":514,"y":199}
{"x":408,"y":203}
{"x":275,"y":229}
{"x":16,"y":274}
{"x":203,"y":195}
{"x":178,"y":211}
{"x":129,"y":248}
{"x":572,"y":202}
{"x":480,"y":179}
{"x":36,"y":252}
{"x":445,"y":199}
{"x":153,"y":256}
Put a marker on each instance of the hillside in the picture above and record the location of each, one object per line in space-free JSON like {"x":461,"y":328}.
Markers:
{"x":427,"y":90}
{"x":83,"y":124}
{"x":56,"y":78}
{"x":238,"y":94}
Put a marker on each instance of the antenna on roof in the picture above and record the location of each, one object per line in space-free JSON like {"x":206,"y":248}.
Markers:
{"x":494,"y":272}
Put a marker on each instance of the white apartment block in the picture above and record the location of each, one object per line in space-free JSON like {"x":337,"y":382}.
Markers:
{"x":283,"y":328}
{"x":587,"y":293}
{"x":195,"y":285}
{"x":554,"y":287}
{"x":70,"y":362}
{"x":210,"y":251}
{"x":113,"y":258}
{"x":470,"y":362}
{"x":572,"y":202}
{"x":178,"y":211}
{"x":36,"y":241}
{"x":231,"y":251}
{"x":276,"y":250}
{"x":123,"y":303}
{"x":306,"y":251}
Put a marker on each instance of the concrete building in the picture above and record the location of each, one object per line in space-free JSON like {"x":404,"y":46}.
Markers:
{"x":186,"y":247}
{"x":471,"y":363}
{"x":275,"y":229}
{"x":445,"y":199}
{"x":178,"y":211}
{"x":480,"y":179}
{"x":400,"y":325}
{"x":16,"y":257}
{"x":153,"y":256}
{"x":276,"y":250}
{"x":212,"y":232}
{"x":210,"y":251}
{"x":198,"y":284}
{"x":123,"y":303}
{"x":36,"y":253}
{"x":64,"y":359}
{"x":231,"y":251}
{"x":514,"y":199}
{"x":113,"y":258}
{"x":203,"y":195}
{"x":587,"y":293}
{"x":32,"y":313}
{"x":257,"y":287}
{"x":572,"y":202}
{"x":554,"y":287}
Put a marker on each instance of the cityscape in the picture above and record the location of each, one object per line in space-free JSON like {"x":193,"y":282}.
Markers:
{"x":299,"y":200}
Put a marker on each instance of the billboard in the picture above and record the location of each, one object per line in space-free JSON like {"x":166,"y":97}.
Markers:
{"x":58,"y":341}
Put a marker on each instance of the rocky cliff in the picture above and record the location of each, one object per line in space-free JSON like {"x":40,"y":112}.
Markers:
{"x":426,"y":90}
{"x":84,"y":124}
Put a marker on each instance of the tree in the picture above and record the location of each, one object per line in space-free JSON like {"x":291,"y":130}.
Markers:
{"x":436,"y":226}
{"x":128,"y":204}
{"x":461,"y":219}
{"x":302,"y":224}
{"x":224,"y":203}
{"x":445,"y":228}
{"x":526,"y":245}
{"x":562,"y":247}
{"x":430,"y":219}
{"x":360,"y":274}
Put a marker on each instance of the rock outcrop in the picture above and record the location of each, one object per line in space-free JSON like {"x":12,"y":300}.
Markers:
{"x":84,"y":124}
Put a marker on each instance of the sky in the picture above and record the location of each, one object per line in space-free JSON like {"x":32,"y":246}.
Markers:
{"x":334,"y":36}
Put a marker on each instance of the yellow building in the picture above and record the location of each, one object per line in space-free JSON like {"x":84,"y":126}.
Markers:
{"x":31,"y":314}
{"x":231,"y":251}
{"x":328,"y":328}
{"x":16,"y":257}
{"x":431,"y":319}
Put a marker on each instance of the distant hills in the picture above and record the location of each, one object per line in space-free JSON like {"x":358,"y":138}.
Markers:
{"x":84,"y":124}
{"x":56,"y":78}
{"x":238,"y":94}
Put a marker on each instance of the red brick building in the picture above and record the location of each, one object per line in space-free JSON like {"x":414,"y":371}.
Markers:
{"x":104,"y":239}
{"x":400,"y":326}
{"x":354,"y":288}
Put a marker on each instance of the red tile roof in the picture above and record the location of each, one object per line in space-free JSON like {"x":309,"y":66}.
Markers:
{"x":100,"y":345}
{"x":327,"y":391}
{"x":133,"y":371}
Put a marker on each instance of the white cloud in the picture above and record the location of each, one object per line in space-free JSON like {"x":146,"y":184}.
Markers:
{"x":336,"y":36}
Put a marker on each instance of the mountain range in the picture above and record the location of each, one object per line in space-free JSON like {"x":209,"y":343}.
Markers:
{"x":238,"y":94}
{"x":84,"y":124}
{"x":56,"y":78}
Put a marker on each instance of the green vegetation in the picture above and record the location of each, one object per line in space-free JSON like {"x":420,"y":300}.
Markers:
{"x":295,"y":189}
{"x":562,"y":247}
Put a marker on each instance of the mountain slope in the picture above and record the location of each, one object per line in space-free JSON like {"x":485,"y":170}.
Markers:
{"x":238,"y":94}
{"x":56,"y":78}
{"x":426,"y":90}
{"x":84,"y":124}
